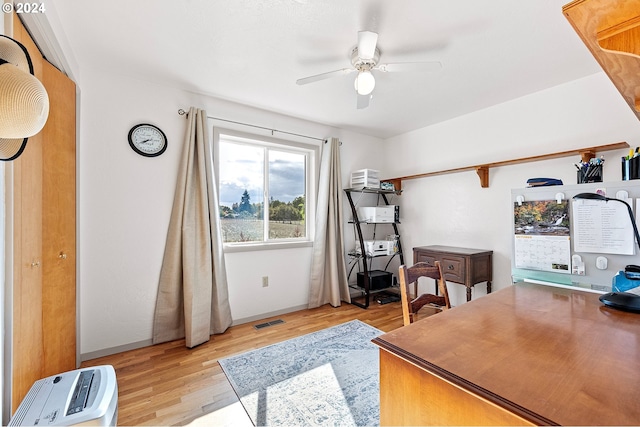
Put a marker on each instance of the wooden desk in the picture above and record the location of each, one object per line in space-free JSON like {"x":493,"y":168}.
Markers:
{"x":527,"y":354}
{"x":460,"y":265}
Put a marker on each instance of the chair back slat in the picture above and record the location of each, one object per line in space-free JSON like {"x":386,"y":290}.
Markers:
{"x":409,"y":275}
{"x":422,"y":269}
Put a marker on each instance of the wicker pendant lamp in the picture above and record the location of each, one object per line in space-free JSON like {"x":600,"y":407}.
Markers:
{"x":24,"y":103}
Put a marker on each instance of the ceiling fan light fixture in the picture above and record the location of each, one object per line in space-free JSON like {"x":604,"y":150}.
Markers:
{"x":365,"y":82}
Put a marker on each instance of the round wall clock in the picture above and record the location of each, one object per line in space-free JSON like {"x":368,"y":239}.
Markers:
{"x":147,"y":140}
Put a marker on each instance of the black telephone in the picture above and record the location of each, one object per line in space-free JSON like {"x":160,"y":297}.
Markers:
{"x":624,"y":300}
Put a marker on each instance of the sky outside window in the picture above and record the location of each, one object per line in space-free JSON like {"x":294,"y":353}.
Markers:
{"x":242,"y":168}
{"x":286,"y":175}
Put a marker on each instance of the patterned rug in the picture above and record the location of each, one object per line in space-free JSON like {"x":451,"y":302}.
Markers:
{"x":329,"y":377}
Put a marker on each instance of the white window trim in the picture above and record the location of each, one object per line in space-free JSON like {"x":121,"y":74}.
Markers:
{"x":311,"y":188}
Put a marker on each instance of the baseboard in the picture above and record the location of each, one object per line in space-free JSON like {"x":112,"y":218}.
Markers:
{"x":146,"y":343}
{"x":114,"y":350}
{"x":267,"y":315}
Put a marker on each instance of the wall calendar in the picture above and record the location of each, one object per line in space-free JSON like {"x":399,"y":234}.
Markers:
{"x":542,"y":236}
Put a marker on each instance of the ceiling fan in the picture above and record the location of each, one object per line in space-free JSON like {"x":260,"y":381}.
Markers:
{"x":364,"y":59}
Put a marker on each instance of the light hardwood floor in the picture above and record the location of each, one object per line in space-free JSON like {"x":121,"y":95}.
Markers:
{"x":169,"y":384}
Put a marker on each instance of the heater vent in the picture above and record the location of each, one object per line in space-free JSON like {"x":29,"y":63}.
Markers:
{"x":267,"y":324}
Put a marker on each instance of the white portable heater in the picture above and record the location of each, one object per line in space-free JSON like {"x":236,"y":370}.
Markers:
{"x":87,"y":396}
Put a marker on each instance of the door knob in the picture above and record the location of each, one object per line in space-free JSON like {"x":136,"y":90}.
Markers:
{"x":62,"y":255}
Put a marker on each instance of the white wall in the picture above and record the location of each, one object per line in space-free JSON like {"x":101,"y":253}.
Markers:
{"x":125,"y":204}
{"x":125,"y":199}
{"x":454,"y":210}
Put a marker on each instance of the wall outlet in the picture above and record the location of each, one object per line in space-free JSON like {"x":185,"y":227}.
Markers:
{"x":265,"y":281}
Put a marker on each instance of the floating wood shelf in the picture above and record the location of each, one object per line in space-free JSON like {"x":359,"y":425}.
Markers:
{"x":611,"y":31}
{"x":483,"y":169}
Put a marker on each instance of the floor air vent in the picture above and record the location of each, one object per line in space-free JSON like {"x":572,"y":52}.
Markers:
{"x":267,"y":324}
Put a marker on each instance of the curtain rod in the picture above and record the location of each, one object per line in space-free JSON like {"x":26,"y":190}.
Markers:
{"x":184,"y":113}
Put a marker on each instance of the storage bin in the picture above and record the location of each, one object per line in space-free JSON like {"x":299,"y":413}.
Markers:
{"x":630,"y":168}
{"x":591,"y":174}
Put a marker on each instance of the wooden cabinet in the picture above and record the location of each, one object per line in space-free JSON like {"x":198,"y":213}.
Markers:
{"x":611,"y":31}
{"x":460,"y":265}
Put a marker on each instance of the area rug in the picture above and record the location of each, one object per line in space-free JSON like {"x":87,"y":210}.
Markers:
{"x":329,"y":377}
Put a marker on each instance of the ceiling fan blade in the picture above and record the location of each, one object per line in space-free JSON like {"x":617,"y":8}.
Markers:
{"x":367,"y":41}
{"x":363,"y":101}
{"x":330,"y":74}
{"x":409,"y":66}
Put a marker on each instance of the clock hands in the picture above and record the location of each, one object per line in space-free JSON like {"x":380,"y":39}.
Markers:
{"x":147,"y":140}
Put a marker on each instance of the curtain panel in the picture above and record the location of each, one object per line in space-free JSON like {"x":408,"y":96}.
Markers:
{"x":193,"y":297}
{"x":328,"y":282}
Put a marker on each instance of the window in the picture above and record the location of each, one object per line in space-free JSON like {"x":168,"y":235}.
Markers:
{"x":265,"y":189}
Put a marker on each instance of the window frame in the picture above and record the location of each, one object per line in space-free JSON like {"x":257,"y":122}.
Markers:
{"x":311,"y":171}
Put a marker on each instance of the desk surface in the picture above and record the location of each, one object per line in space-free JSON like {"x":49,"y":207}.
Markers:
{"x":550,"y":355}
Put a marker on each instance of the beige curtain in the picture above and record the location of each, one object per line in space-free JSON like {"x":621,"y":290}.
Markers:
{"x":192,"y":293}
{"x":328,"y":282}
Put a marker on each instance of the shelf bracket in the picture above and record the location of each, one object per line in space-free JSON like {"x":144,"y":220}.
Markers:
{"x":586,"y":155}
{"x":483,"y":173}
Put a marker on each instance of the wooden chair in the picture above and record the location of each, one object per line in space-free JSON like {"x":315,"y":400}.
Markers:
{"x":411,"y":304}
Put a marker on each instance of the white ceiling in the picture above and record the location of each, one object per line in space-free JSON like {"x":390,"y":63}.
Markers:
{"x":253,"y":51}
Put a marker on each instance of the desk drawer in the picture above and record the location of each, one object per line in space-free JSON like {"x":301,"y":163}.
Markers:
{"x":428,"y":258}
{"x":453,"y":268}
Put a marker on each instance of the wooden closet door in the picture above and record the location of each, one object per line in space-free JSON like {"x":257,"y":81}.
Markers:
{"x":27,"y":354}
{"x":44,"y":237}
{"x":59,"y":224}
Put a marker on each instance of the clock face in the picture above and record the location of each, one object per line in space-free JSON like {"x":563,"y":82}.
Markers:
{"x":147,"y":140}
